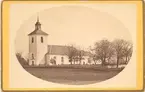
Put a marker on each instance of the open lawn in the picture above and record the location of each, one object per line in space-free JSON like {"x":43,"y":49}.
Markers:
{"x":71,"y":75}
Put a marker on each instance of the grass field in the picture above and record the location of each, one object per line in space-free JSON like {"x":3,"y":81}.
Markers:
{"x":71,"y":75}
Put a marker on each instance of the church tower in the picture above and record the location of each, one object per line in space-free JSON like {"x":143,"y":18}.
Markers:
{"x":37,"y":45}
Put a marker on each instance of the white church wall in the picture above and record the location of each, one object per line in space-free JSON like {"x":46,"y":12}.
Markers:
{"x":41,"y":49}
{"x":32,"y":47}
{"x":88,"y":60}
{"x":37,"y":48}
{"x":85,"y":60}
{"x":59,"y":59}
{"x":30,"y":62}
{"x":47,"y":59}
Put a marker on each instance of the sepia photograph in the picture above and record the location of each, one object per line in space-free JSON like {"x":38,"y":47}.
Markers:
{"x":61,"y":45}
{"x":75,"y":45}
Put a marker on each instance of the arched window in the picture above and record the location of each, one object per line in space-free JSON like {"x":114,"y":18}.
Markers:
{"x":62,"y":60}
{"x":32,"y":40}
{"x":54,"y":57}
{"x":41,"y":39}
{"x":32,"y":56}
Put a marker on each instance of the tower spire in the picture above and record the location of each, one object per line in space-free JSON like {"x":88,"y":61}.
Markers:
{"x":38,"y":24}
{"x":37,"y":18}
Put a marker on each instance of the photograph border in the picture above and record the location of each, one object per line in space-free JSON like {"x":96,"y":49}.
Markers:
{"x":5,"y":44}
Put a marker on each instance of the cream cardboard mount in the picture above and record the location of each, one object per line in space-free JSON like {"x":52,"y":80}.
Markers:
{"x":72,"y":45}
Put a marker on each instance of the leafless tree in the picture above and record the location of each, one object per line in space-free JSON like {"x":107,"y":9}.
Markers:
{"x":72,"y":53}
{"x":80,"y":54}
{"x":127,"y":50}
{"x":19,"y":54}
{"x":103,"y":50}
{"x":122,"y":49}
{"x":94,"y":56}
{"x":21,"y":59}
{"x":111,"y":52}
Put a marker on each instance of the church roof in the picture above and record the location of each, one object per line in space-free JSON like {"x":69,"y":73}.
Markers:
{"x":63,"y":50}
{"x":58,"y":50}
{"x":38,"y":32}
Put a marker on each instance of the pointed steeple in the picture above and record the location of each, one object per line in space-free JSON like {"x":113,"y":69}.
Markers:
{"x":38,"y":18}
{"x":38,"y":30}
{"x":38,"y":24}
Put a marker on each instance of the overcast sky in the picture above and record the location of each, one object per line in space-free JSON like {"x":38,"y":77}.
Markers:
{"x":74,"y":25}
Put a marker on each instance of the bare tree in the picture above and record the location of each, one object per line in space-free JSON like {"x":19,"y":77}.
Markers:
{"x":80,"y":54}
{"x":111,"y":52}
{"x":21,"y":59}
{"x":103,"y":51}
{"x":72,"y":52}
{"x":127,"y":51}
{"x":122,"y":49}
{"x":118,"y":46}
{"x":94,"y":57}
{"x":19,"y":54}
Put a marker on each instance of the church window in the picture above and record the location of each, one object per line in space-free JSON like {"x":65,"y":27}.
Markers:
{"x":32,"y":56}
{"x":62,"y":60}
{"x":32,"y":40}
{"x":54,"y":57}
{"x":41,"y":39}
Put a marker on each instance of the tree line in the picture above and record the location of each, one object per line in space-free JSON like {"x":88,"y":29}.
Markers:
{"x":75,"y":55}
{"x":107,"y":52}
{"x":116,"y":52}
{"x":119,"y":51}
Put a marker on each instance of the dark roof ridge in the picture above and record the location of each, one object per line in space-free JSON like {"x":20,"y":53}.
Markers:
{"x":37,"y":32}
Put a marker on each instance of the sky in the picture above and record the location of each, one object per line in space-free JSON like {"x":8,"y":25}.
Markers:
{"x":77,"y":25}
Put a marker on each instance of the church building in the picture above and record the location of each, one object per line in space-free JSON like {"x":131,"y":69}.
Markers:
{"x":40,"y":53}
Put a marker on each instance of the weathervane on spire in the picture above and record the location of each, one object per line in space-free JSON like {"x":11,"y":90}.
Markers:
{"x":38,"y":18}
{"x":38,"y":24}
